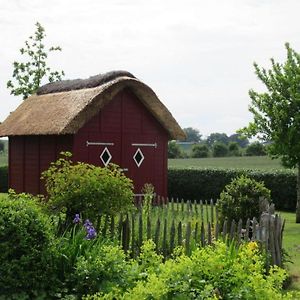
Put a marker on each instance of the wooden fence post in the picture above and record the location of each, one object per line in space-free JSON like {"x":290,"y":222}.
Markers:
{"x":179,"y":230}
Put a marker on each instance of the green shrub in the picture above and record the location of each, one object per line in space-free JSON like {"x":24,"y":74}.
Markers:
{"x":208,"y":183}
{"x":234,"y":149}
{"x":241,"y":199}
{"x":219,"y":149}
{"x":213,"y":272}
{"x":26,"y":240}
{"x":255,"y":149}
{"x":3,"y":179}
{"x":86,"y":189}
{"x":174,"y":150}
{"x":101,"y":268}
{"x":200,"y":151}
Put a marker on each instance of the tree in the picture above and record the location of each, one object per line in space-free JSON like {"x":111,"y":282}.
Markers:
{"x":192,"y":135}
{"x":255,"y":149}
{"x":200,"y":151}
{"x":217,"y":137}
{"x":29,"y":74}
{"x":238,"y":138}
{"x":174,"y":150}
{"x":219,"y":149}
{"x":234,"y":148}
{"x":276,"y":112}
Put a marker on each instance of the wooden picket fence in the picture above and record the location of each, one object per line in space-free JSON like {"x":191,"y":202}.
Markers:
{"x":172,"y":223}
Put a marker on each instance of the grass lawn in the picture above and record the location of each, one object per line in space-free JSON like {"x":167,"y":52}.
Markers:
{"x":291,"y":243}
{"x":242,"y":162}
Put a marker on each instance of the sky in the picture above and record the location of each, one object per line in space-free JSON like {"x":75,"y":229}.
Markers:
{"x":196,"y":55}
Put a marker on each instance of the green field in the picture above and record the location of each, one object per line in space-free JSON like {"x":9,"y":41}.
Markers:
{"x":241,"y":162}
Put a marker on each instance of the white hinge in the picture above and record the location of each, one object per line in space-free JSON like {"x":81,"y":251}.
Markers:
{"x":98,"y":144}
{"x":144,"y":145}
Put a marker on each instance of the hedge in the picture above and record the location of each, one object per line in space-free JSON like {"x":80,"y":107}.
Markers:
{"x":205,"y":184}
{"x":3,"y":179}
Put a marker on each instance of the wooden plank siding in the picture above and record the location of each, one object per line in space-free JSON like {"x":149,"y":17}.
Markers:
{"x":123,"y":122}
{"x":30,"y":156}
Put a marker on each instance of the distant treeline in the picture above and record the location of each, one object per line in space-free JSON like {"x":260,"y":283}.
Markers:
{"x":215,"y":145}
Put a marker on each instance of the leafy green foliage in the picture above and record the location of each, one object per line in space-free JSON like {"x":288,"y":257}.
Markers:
{"x":208,"y":183}
{"x":3,"y":179}
{"x":241,"y":199}
{"x":102,"y":268}
{"x":200,"y":151}
{"x":28,"y":75}
{"x":276,"y":113}
{"x":87,"y":189}
{"x":234,"y":149}
{"x":72,"y":266}
{"x":219,"y":149}
{"x":192,"y":135}
{"x":217,"y":137}
{"x":174,"y":150}
{"x":26,"y":240}
{"x":213,"y":272}
{"x":238,"y":138}
{"x":255,"y":149}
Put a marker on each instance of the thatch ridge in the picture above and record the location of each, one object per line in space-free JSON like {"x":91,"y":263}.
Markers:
{"x":78,"y":84}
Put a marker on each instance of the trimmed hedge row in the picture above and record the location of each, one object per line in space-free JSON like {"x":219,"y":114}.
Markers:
{"x":205,"y":184}
{"x":3,"y":179}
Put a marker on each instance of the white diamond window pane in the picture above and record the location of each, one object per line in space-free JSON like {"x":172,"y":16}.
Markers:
{"x":138,"y":157}
{"x":105,"y":156}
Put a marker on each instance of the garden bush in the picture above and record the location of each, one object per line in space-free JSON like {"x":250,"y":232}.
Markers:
{"x":219,"y":149}
{"x":255,"y":149}
{"x":87,"y":189}
{"x":208,"y":183}
{"x":213,"y":272}
{"x":25,"y":250}
{"x":200,"y":151}
{"x":3,"y":179}
{"x":174,"y":150}
{"x":234,"y":149}
{"x":241,"y":199}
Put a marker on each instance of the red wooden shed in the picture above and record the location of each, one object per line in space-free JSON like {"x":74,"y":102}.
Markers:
{"x":108,"y":118}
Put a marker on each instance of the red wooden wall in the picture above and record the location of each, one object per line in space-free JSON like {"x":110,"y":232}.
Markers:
{"x":29,"y":156}
{"x":123,"y":122}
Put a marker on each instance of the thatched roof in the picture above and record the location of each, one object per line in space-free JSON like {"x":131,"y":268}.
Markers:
{"x":64,"y":107}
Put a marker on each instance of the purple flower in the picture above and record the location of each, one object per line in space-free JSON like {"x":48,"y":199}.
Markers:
{"x":77,"y":219}
{"x":91,"y":233}
{"x":87,"y":224}
{"x":90,"y":230}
